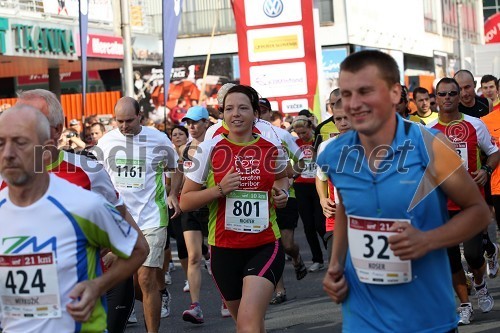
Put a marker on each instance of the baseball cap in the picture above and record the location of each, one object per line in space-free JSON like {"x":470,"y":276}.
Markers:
{"x":196,"y":113}
{"x":265,"y":102}
{"x":223,"y":91}
{"x":73,"y":122}
{"x":305,"y":112}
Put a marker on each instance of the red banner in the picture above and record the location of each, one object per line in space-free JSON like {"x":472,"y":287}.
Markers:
{"x":277,"y":51}
{"x":492,"y":29}
{"x":103,"y":46}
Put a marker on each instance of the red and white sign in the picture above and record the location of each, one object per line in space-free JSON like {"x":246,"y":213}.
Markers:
{"x":277,"y":51}
{"x":102,"y":46}
{"x":492,"y":29}
{"x":64,"y":77}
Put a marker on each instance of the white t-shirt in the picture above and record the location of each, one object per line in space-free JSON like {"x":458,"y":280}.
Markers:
{"x":68,"y":225}
{"x":321,"y":174}
{"x":136,"y":165}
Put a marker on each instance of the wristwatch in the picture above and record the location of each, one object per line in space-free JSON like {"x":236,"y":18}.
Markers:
{"x":488,"y":169}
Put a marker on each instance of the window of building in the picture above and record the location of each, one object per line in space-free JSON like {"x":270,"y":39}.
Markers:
{"x":490,"y":7}
{"x":198,"y":17}
{"x":325,"y":11}
{"x":469,"y":19}
{"x":430,"y":16}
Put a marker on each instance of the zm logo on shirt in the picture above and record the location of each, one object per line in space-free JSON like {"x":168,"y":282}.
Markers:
{"x":16,"y":244}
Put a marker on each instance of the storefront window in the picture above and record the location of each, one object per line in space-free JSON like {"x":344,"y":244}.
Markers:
{"x":430,"y":16}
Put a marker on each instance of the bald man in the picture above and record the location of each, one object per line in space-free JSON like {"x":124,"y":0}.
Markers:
{"x":136,"y":157}
{"x":470,"y":103}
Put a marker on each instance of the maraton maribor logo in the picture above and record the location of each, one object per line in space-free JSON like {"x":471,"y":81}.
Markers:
{"x":273,"y":8}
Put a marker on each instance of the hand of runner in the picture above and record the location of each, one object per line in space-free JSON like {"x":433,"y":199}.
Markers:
{"x":230,"y":182}
{"x":409,"y":243}
{"x":328,"y":206}
{"x":480,"y":177}
{"x":335,"y":283}
{"x":109,"y":259}
{"x":84,"y":296}
{"x":173,"y":203}
{"x":280,"y":197}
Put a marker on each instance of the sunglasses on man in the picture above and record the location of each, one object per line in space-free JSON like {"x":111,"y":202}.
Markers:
{"x":451,"y":93}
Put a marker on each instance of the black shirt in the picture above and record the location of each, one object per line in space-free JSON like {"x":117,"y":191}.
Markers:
{"x":480,"y":109}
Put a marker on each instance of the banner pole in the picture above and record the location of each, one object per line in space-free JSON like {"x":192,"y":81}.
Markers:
{"x":207,"y":62}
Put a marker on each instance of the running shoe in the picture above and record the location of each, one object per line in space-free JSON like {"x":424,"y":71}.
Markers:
{"x":186,"y":287}
{"x":316,"y":267}
{"x":132,"y":319}
{"x":484,"y":299}
{"x":465,"y":313}
{"x":469,"y":280}
{"x":300,"y":270}
{"x":165,"y":304}
{"x":171,"y":266}
{"x":168,"y":278}
{"x":193,"y":315}
{"x":224,"y":311}
{"x":279,"y":298}
{"x":208,"y":267}
{"x":492,"y":263}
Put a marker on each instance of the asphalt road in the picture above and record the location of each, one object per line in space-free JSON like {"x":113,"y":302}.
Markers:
{"x":308,"y":309}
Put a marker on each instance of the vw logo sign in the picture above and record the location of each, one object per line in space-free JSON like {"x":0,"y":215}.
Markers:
{"x":273,"y":8}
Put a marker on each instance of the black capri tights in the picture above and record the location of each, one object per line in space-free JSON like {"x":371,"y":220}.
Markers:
{"x":473,"y":252}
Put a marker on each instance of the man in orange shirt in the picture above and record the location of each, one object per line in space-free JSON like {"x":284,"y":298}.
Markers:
{"x":492,"y":122}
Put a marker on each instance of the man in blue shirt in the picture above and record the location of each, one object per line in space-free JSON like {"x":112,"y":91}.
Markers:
{"x":389,"y":266}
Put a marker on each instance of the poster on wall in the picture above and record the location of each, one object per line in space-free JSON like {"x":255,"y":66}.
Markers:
{"x":99,"y":10}
{"x":277,"y":51}
{"x":185,"y":82}
{"x":332,"y":58}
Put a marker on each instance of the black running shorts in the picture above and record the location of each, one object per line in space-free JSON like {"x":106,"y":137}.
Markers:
{"x":230,"y":266}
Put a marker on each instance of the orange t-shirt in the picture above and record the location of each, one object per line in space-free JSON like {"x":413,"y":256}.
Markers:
{"x":492,"y":122}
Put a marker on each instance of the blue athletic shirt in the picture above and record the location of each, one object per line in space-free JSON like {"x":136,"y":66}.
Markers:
{"x":427,"y":303}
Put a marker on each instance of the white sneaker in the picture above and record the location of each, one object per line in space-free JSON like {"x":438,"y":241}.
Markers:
{"x":492,"y":264}
{"x":484,"y":299}
{"x":316,"y":267}
{"x":171,"y":266}
{"x":168,"y":278}
{"x":208,"y":267}
{"x":224,"y":311}
{"x":465,"y":313}
{"x":186,"y":287}
{"x":132,"y":319}
{"x":165,"y":305}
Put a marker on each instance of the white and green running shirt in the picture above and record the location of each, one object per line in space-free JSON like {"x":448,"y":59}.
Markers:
{"x":50,"y":246}
{"x":136,"y":165}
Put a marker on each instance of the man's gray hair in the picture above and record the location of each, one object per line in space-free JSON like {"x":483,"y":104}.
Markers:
{"x":42,"y":123}
{"x":56,"y":115}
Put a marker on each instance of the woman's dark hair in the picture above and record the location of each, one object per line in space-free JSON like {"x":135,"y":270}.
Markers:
{"x":251,"y":93}
{"x":182,"y":128}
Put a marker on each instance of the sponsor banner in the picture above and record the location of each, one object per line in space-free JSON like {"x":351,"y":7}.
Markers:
{"x":99,"y":10}
{"x":275,"y":43}
{"x":103,"y":46}
{"x":65,"y":77}
{"x":277,"y":49}
{"x":278,"y":80}
{"x":492,"y":29}
{"x":294,"y":105}
{"x":264,"y":12}
{"x":171,"y":16}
